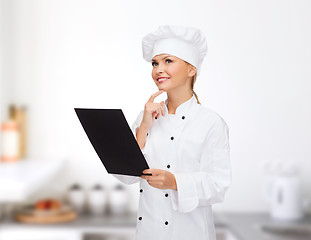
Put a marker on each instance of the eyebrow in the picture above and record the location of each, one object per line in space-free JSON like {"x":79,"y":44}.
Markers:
{"x":153,"y":60}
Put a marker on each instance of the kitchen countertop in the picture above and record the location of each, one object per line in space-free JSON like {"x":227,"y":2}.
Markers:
{"x":247,"y":226}
{"x":83,"y":221}
{"x":244,"y":226}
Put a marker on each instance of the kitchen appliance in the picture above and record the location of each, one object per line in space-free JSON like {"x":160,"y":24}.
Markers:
{"x":97,"y":200}
{"x":77,"y":198}
{"x":284,"y":193}
{"x":118,"y":200}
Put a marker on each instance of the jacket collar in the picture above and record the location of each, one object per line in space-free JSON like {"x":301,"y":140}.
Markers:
{"x":184,"y":107}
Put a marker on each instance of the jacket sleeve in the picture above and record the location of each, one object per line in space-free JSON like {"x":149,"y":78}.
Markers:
{"x":125,"y":178}
{"x":209,"y":184}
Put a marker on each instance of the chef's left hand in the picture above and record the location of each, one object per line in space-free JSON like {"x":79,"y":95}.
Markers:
{"x":160,"y":179}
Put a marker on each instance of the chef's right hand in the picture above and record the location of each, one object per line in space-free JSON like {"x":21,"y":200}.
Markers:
{"x":152,"y":110}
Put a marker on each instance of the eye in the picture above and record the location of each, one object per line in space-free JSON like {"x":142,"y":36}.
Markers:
{"x":168,"y":60}
{"x":153,"y":63}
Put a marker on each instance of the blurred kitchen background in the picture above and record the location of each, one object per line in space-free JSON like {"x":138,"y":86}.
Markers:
{"x":60,"y":54}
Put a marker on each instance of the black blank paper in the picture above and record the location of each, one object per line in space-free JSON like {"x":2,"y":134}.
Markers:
{"x":113,"y":140}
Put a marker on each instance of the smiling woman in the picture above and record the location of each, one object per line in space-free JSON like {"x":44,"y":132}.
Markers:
{"x":185,"y":144}
{"x":174,"y":72}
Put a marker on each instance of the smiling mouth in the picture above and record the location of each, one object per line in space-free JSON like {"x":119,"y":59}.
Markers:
{"x":161,"y":80}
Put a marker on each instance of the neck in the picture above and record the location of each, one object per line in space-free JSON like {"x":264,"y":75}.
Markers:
{"x":175,"y":99}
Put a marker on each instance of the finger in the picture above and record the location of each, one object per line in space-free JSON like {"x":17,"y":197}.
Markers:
{"x":155,"y":179}
{"x":156,"y":115}
{"x":158,"y":112}
{"x":145,"y":172}
{"x":148,"y":170}
{"x":148,"y":178}
{"x":151,"y":107}
{"x":155,"y":111}
{"x":150,"y":183}
{"x":155,"y":185}
{"x":156,"y":172}
{"x":153,"y":96}
{"x":153,"y":171}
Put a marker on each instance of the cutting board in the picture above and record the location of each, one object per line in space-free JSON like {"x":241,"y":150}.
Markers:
{"x":46,"y":217}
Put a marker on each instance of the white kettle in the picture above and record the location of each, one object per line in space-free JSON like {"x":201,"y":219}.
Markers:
{"x":284,"y":194}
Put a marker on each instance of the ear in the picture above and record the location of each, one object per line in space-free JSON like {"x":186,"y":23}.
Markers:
{"x":192,"y":71}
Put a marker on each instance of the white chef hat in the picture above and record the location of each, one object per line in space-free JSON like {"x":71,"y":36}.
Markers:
{"x":186,"y":43}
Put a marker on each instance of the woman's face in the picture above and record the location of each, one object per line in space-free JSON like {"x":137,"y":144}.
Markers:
{"x":170,"y":72}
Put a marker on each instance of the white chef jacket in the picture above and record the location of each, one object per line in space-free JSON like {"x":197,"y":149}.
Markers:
{"x":193,"y":144}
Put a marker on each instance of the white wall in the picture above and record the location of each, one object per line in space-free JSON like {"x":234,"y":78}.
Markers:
{"x":65,"y":54}
{"x":1,"y":63}
{"x":7,"y":64}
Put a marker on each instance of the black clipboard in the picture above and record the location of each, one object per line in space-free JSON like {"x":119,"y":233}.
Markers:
{"x":113,"y":140}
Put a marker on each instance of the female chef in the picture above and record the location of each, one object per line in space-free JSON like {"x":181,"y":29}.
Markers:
{"x":185,"y":144}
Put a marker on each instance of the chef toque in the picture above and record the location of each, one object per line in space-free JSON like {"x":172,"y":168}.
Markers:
{"x":186,"y":43}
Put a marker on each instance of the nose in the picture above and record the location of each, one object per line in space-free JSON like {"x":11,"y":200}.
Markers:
{"x":160,"y":68}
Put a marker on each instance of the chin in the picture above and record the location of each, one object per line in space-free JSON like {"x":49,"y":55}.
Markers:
{"x":161,"y":88}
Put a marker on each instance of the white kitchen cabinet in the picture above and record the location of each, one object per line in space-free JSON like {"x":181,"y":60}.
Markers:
{"x":39,"y":234}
